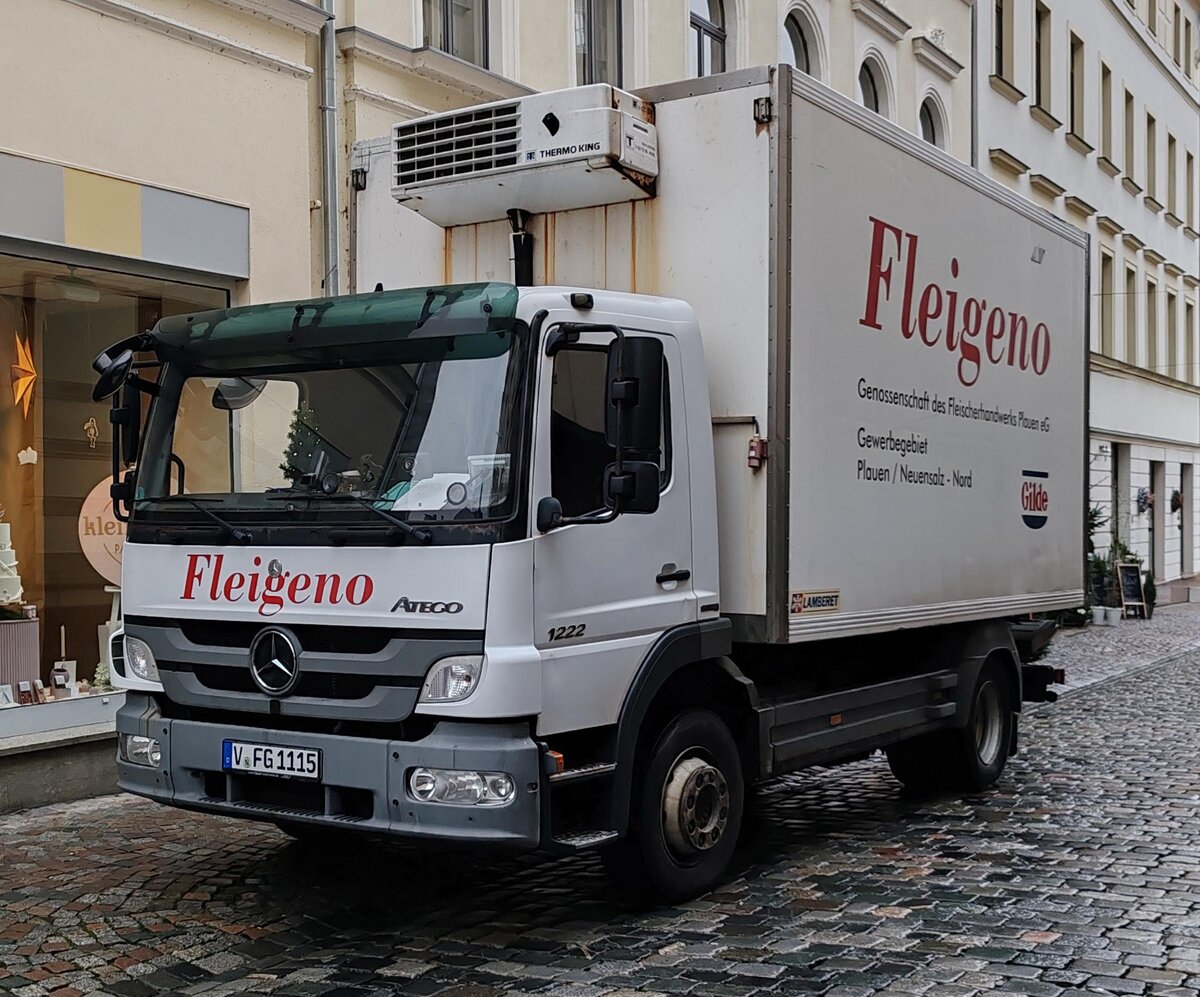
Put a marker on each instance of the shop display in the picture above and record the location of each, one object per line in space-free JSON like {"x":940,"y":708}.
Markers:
{"x":25,"y":693}
{"x":10,"y":581}
{"x":7,"y":697}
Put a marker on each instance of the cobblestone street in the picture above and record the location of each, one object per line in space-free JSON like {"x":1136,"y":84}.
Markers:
{"x":1080,"y":874}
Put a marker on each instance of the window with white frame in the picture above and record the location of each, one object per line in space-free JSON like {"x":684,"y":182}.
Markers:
{"x":872,"y":93}
{"x":458,"y":27}
{"x":598,"y":41}
{"x":798,"y":44}
{"x":709,"y":38}
{"x":933,"y":128}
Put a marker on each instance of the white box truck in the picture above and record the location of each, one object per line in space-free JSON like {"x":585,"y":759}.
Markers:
{"x":713,"y":433}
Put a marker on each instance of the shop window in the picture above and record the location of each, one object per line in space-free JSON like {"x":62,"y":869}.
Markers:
{"x":54,"y":440}
{"x":709,"y":37}
{"x":458,"y":27}
{"x":598,"y":41}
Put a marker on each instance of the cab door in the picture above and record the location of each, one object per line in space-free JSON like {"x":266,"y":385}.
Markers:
{"x":603,"y":593}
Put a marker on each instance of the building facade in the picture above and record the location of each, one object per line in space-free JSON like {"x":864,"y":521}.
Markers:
{"x":1092,"y":109}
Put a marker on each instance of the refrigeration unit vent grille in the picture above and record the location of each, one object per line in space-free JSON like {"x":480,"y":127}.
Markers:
{"x":455,"y":145}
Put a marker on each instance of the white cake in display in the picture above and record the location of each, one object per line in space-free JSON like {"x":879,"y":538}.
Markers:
{"x":10,"y":581}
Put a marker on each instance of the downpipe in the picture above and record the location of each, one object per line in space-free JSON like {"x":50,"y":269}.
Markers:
{"x":329,"y":159}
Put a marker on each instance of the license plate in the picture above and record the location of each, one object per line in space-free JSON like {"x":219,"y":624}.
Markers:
{"x":271,"y":759}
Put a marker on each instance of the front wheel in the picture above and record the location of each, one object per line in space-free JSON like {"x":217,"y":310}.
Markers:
{"x":687,"y":813}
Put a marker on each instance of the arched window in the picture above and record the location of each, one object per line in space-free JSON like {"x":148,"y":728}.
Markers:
{"x":706,"y":54}
{"x":798,"y":44}
{"x":870,"y":94}
{"x":933,"y":130}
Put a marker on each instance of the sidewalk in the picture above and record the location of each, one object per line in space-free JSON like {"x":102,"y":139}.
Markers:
{"x":1095,"y":654}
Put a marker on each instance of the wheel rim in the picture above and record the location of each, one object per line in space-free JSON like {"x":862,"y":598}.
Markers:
{"x":695,"y":806}
{"x":989,"y":724}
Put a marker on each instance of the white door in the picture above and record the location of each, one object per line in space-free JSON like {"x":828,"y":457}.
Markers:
{"x":603,"y":593}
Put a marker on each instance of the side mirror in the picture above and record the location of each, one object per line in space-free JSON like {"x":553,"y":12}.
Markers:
{"x":113,"y":371}
{"x":635,"y":486}
{"x":635,"y":370}
{"x":549,"y":514}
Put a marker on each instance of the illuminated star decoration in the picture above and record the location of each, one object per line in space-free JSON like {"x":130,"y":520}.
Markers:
{"x":23,"y":375}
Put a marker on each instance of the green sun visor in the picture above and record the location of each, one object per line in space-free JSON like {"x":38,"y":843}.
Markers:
{"x":361,"y":328}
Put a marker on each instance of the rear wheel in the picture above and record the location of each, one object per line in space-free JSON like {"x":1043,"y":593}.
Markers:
{"x":969,"y":758}
{"x":686,"y":816}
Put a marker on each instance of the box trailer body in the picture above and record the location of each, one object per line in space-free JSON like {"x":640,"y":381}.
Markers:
{"x":908,"y":337}
{"x":690,"y":438}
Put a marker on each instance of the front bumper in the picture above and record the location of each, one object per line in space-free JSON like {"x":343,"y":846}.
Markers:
{"x":363,"y":784}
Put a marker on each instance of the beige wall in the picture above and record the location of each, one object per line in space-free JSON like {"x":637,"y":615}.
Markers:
{"x":129,"y":101}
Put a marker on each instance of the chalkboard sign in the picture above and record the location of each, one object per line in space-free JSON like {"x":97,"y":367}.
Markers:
{"x":1133,"y":601}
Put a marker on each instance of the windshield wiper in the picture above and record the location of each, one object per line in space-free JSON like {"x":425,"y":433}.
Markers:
{"x":235,"y":533}
{"x":421,"y":536}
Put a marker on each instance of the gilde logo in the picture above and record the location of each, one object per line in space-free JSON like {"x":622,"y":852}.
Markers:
{"x":1035,"y":499}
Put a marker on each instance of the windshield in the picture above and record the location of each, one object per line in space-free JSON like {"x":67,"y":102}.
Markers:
{"x":426,"y":431}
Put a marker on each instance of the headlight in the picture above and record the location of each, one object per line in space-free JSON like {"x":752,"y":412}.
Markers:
{"x":139,"y":659}
{"x":452,"y":679}
{"x":461,"y":788}
{"x":140,"y":750}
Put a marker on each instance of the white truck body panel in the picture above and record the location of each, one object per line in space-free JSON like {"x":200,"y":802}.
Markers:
{"x":766,"y":231}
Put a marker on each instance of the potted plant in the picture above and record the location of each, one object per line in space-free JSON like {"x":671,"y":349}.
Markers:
{"x":1112,"y":609}
{"x":1098,"y":570}
{"x":1150,"y":594}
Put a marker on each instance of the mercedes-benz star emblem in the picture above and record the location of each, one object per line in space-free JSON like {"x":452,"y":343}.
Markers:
{"x":273,"y":662}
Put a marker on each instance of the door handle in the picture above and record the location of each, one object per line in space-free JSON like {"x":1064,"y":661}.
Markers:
{"x":678,"y":575}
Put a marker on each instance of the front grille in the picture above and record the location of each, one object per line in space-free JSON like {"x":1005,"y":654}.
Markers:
{"x":318,"y":685}
{"x":312,"y":637}
{"x":456,"y":144}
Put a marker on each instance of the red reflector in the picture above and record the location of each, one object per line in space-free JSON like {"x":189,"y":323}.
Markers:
{"x":559,"y":763}
{"x":835,"y":720}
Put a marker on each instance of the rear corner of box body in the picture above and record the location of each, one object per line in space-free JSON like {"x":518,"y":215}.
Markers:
{"x":937,"y":386}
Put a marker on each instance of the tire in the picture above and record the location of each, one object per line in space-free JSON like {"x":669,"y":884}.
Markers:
{"x":686,"y":813}
{"x":970,"y":758}
{"x":984,"y":743}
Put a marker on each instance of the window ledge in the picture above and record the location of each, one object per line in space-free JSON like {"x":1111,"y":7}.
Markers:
{"x":882,"y":18}
{"x":1108,"y":166}
{"x":1080,"y":144}
{"x":1132,"y":186}
{"x":1133,"y":242}
{"x":1109,"y":224}
{"x":1173,"y":219}
{"x":1004,"y":160}
{"x":1041,"y":182}
{"x":1044,"y":117}
{"x":1152,"y":203}
{"x":1006,"y":90}
{"x":1173,"y":270}
{"x":936,"y":58}
{"x":1153,"y":258}
{"x":1079,"y":206}
{"x":1191,"y":233}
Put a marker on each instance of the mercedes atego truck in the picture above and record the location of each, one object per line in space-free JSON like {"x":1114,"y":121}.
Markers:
{"x":689,"y":439}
